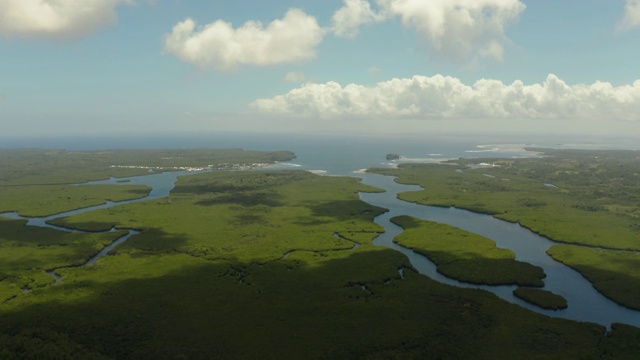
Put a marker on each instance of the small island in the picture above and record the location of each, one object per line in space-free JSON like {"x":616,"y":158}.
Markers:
{"x":392,"y":156}
{"x":541,"y":298}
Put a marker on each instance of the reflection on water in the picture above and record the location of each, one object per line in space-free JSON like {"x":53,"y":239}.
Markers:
{"x":585,"y":303}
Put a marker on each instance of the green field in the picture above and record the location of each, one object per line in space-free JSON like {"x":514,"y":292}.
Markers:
{"x":465,"y":256}
{"x":45,"y":200}
{"x":246,"y":265}
{"x":245,"y":217}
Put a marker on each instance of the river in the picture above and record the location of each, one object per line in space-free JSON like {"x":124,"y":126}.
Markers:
{"x":339,"y":157}
{"x":585,"y":303}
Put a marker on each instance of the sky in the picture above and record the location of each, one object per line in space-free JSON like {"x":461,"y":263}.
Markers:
{"x":76,"y":67}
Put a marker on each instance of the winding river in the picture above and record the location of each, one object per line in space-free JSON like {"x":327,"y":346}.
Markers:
{"x":585,"y":303}
{"x":161,"y":185}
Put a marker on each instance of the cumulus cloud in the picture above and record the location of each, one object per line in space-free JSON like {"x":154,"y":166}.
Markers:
{"x":56,"y":18}
{"x":631,"y":16}
{"x":355,"y":13}
{"x":461,"y":30}
{"x":436,"y":97}
{"x":219,"y":46}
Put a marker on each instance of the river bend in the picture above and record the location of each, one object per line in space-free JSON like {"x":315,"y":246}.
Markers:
{"x":585,"y":302}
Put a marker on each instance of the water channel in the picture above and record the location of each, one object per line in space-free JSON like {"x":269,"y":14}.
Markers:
{"x":585,"y":303}
{"x":161,"y":185}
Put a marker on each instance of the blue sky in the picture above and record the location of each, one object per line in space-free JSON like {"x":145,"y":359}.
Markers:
{"x":404,"y":66}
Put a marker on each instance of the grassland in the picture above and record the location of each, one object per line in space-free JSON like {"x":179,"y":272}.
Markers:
{"x":589,"y":200}
{"x":542,"y":298}
{"x":244,"y":265}
{"x":465,"y":256}
{"x":45,"y":200}
{"x":248,"y":217}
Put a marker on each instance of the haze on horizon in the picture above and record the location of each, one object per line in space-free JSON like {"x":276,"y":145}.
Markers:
{"x":342,"y":66}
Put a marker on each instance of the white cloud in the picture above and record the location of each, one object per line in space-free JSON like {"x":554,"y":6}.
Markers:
{"x":631,"y":16}
{"x":56,"y":18}
{"x":461,"y":30}
{"x":447,"y":97}
{"x":294,"y":77}
{"x":221,"y":47}
{"x":355,"y":13}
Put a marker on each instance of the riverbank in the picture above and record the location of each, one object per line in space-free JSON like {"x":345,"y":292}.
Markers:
{"x":209,"y":275}
{"x":592,"y":188}
{"x":212,"y":260}
{"x":465,"y":256}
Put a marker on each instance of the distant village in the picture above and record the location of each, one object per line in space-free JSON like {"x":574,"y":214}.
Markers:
{"x":223,"y":166}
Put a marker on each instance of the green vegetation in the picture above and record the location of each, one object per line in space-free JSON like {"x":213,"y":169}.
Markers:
{"x":47,"y":167}
{"x":26,"y":252}
{"x":248,"y":216}
{"x":244,"y":265}
{"x":45,"y":200}
{"x":311,"y":306}
{"x":623,"y":342}
{"x":571,"y":212}
{"x":37,"y":182}
{"x":392,"y":156}
{"x":581,"y":197}
{"x":465,"y":256}
{"x":616,"y":274}
{"x":541,"y":298}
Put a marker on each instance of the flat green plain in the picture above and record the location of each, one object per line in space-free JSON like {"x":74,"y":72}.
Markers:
{"x":45,"y":200}
{"x":245,"y":265}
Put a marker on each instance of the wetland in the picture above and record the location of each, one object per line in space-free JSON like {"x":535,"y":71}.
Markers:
{"x":232,"y":262}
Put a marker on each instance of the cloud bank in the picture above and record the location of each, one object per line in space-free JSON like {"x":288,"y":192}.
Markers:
{"x":444,"y":97}
{"x":631,"y":16}
{"x":56,"y":18}
{"x":220,"y":46}
{"x":462,"y":30}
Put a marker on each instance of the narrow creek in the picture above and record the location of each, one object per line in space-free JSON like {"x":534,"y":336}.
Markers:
{"x":585,"y":302}
{"x":161,"y":185}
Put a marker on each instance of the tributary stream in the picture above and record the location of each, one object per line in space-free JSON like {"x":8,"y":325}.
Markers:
{"x":585,"y":303}
{"x":161,"y":185}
